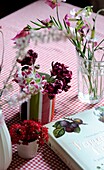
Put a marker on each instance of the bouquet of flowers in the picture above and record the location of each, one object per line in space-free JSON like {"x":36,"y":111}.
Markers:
{"x":28,"y":131}
{"x":79,"y":27}
{"x":31,"y":81}
{"x":26,"y":74}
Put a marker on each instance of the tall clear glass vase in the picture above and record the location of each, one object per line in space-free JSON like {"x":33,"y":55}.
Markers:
{"x":90,"y":80}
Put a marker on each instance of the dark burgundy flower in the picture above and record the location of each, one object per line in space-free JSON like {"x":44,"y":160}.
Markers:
{"x":62,"y":77}
{"x":53,"y":88}
{"x":29,"y":59}
{"x":59,"y":70}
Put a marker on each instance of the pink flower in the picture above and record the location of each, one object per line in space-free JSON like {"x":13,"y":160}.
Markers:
{"x":47,"y":22}
{"x":66,"y":19}
{"x":22,"y":34}
{"x":93,"y":40}
{"x":52,"y":3}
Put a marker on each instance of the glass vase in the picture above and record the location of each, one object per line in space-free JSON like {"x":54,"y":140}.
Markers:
{"x":90,"y":80}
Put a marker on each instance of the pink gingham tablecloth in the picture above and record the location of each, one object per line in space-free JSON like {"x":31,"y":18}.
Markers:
{"x":62,"y":51}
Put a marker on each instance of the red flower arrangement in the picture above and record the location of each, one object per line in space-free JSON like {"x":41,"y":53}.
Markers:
{"x":28,"y":131}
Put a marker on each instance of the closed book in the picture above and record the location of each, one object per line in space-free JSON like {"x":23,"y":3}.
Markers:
{"x":79,"y":139}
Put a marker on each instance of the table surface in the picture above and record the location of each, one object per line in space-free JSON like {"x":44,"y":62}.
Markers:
{"x":62,"y":51}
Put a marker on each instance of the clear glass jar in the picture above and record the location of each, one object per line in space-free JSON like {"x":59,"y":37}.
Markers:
{"x":90,"y":80}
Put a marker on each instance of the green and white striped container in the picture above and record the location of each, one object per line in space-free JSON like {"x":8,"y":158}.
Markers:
{"x":39,"y":108}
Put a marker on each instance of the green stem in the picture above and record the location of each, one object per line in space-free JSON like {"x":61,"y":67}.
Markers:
{"x":2,"y":58}
{"x":98,"y":45}
{"x":8,"y":78}
{"x":92,"y":89}
{"x":57,"y":14}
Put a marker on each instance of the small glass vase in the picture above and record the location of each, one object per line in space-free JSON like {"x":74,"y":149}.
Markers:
{"x":90,"y":80}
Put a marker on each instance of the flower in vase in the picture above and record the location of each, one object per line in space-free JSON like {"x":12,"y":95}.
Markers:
{"x":28,"y":131}
{"x":31,"y":81}
{"x":26,"y":73}
{"x":53,"y":3}
{"x":79,"y":27}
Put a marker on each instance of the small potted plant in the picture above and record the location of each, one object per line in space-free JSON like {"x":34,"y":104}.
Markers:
{"x":28,"y":135}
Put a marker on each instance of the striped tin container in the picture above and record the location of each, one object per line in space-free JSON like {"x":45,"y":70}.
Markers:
{"x":39,"y":108}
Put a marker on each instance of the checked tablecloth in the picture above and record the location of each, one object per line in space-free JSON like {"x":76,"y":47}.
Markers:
{"x":62,"y":51}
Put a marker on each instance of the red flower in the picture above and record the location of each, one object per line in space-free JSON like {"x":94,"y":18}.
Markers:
{"x":17,"y":133}
{"x":28,"y":131}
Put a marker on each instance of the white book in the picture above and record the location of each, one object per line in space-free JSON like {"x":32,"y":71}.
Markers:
{"x":79,"y":139}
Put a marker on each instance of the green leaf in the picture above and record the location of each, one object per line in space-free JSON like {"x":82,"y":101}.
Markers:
{"x":89,"y":54}
{"x":80,"y":24}
{"x":77,"y":130}
{"x":57,"y":125}
{"x":29,"y":27}
{"x":101,"y":108}
{"x":58,"y":132}
{"x":36,"y":23}
{"x":84,"y":49}
{"x":36,"y":28}
{"x":54,"y":21}
{"x":61,"y":28}
{"x":28,"y":80}
{"x":67,"y":28}
{"x":47,"y":77}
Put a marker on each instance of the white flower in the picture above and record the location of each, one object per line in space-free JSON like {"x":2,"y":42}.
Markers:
{"x":73,"y":12}
{"x":22,"y":43}
{"x":86,"y":14}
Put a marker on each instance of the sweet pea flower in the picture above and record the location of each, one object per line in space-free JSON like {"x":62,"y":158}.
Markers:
{"x":66,"y":19}
{"x":54,"y":3}
{"x":47,"y":22}
{"x":21,"y":40}
{"x":22,"y":34}
{"x":73,"y":12}
{"x":84,"y":30}
{"x":87,"y":12}
{"x":92,"y":40}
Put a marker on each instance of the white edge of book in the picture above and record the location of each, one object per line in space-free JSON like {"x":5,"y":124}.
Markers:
{"x":63,"y":155}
